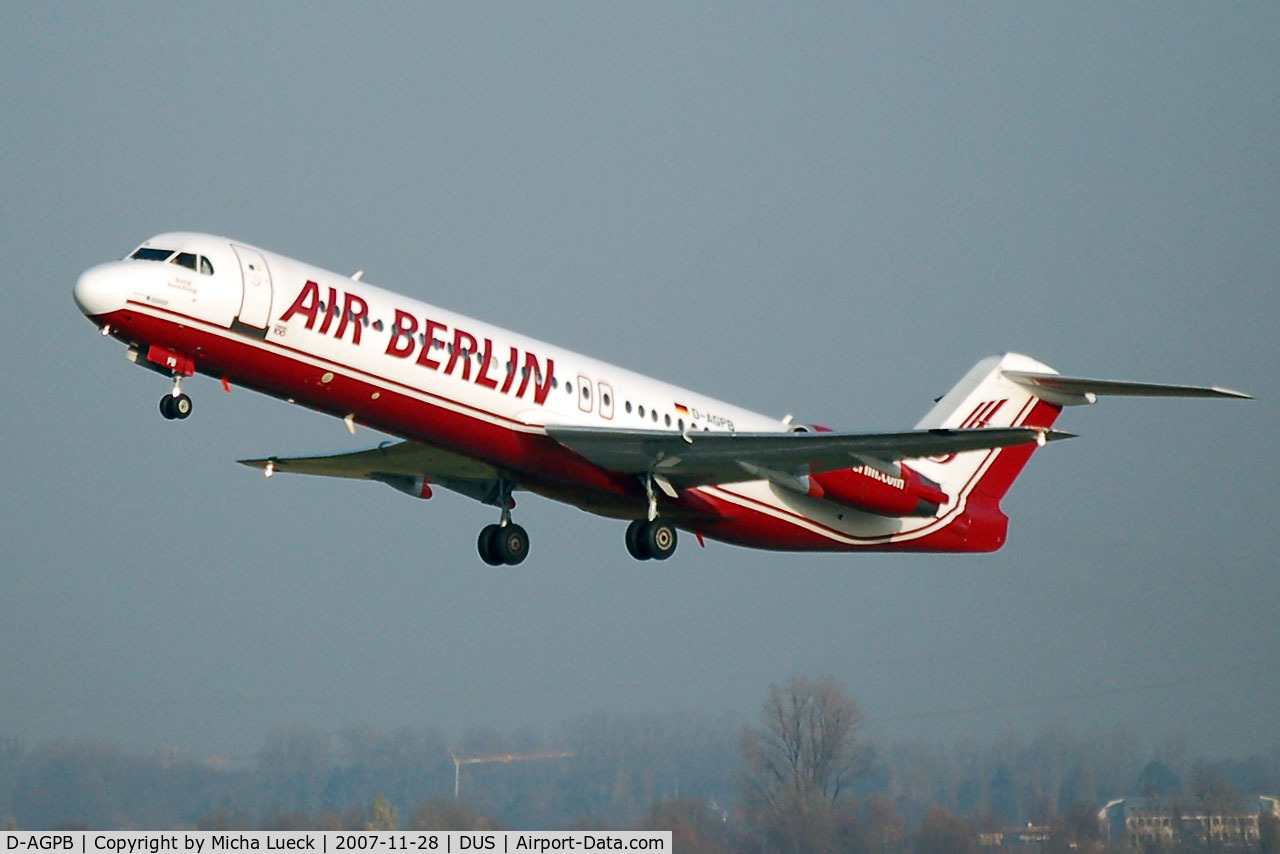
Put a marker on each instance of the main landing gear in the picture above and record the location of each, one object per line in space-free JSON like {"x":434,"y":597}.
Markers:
{"x":654,"y":539}
{"x":651,"y":537}
{"x":499,"y":544}
{"x":505,"y":542}
{"x":175,"y":404}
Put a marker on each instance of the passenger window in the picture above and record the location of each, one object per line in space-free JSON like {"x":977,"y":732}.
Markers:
{"x":206,"y":268}
{"x":185,"y":259}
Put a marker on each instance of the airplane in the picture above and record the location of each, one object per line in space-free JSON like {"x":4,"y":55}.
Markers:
{"x":485,"y":412}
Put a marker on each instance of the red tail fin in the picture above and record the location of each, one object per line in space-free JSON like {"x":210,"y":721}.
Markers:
{"x":978,"y":480}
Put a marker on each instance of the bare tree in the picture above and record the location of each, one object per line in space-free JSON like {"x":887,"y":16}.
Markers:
{"x":448,"y":815}
{"x":942,"y":833}
{"x":382,"y":816}
{"x":801,"y":758}
{"x":695,"y":827}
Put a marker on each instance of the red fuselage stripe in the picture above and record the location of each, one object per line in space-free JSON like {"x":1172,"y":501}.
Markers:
{"x":375,"y":378}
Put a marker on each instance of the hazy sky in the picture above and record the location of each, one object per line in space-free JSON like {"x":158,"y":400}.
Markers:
{"x":828,"y":210}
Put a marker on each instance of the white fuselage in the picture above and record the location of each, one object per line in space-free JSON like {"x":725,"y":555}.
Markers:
{"x":425,"y":373}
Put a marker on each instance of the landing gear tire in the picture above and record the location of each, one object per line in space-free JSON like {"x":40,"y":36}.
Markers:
{"x":487,"y":545}
{"x":635,"y":540}
{"x":659,"y":539}
{"x":505,"y":542}
{"x":175,"y":407}
{"x":511,"y":544}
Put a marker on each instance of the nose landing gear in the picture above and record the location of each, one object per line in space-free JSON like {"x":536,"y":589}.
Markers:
{"x":175,"y":404}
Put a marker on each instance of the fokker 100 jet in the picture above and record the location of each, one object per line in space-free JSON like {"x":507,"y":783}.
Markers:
{"x":484,"y":412}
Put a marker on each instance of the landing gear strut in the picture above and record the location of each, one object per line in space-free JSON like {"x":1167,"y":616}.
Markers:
{"x":175,"y":404}
{"x":505,"y":542}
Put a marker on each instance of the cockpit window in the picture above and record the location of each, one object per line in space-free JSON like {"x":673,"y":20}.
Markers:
{"x":146,"y":253}
{"x":190,"y":260}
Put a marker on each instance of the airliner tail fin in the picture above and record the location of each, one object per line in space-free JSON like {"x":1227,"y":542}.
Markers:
{"x":1006,"y":391}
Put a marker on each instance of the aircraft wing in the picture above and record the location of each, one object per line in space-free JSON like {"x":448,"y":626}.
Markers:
{"x":397,"y":464}
{"x":707,"y":458}
{"x":702,"y":458}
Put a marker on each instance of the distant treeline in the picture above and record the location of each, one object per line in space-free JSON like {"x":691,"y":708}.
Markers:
{"x":710,"y":780}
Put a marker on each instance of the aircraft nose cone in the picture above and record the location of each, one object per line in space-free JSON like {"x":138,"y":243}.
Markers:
{"x":99,"y":291}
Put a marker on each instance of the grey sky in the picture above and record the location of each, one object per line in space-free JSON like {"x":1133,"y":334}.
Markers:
{"x":830,"y":210}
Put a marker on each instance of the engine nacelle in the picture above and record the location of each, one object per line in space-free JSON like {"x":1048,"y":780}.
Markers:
{"x":807,"y":428}
{"x":867,"y":488}
{"x":418,"y":487}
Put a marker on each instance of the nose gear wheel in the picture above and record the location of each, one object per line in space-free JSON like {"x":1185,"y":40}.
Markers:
{"x":178,"y":407}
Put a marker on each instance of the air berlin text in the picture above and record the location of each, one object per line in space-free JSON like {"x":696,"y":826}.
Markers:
{"x":455,"y":352}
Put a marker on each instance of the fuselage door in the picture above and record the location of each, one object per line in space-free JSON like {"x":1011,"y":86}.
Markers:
{"x":584,"y":394}
{"x":255,"y":306}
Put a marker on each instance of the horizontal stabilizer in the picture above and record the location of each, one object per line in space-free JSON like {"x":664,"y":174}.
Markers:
{"x":1070,"y":391}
